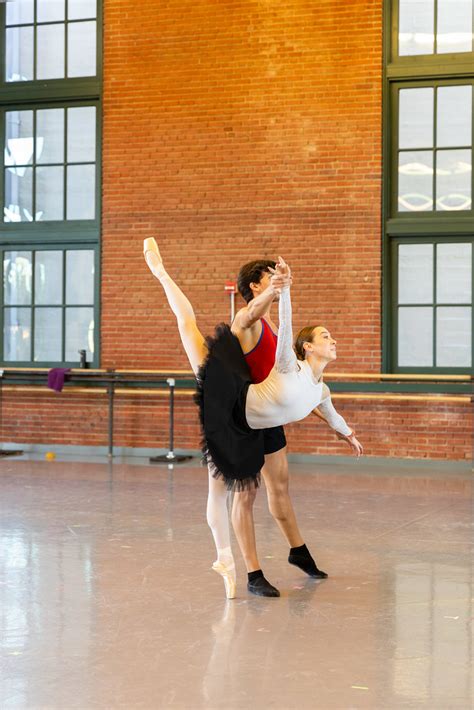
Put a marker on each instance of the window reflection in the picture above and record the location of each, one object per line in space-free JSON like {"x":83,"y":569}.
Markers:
{"x":41,"y":581}
{"x":428,"y":635}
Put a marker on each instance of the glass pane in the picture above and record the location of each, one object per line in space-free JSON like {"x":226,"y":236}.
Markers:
{"x":20,"y":12}
{"x":81,"y":54}
{"x":415,"y":337}
{"x":50,"y":193}
{"x":50,"y":136}
{"x":416,"y":27}
{"x":79,"y":333}
{"x":81,"y":192}
{"x":19,"y":54}
{"x":416,"y":118}
{"x":453,"y":337}
{"x":454,"y":124}
{"x":48,"y":335}
{"x":19,"y":143}
{"x":50,"y":10}
{"x":18,"y":195}
{"x":17,"y":278}
{"x":78,"y":9}
{"x":48,"y":277}
{"x":415,"y":273}
{"x":80,"y":277}
{"x":81,"y":134}
{"x":454,"y":26}
{"x":453,"y":180}
{"x":415,"y":181}
{"x":17,"y":334}
{"x":50,"y":52}
{"x":454,"y":273}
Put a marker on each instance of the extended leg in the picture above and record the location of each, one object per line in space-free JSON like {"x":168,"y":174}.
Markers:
{"x":191,"y":337}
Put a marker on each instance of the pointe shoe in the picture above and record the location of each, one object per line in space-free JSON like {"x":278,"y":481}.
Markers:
{"x":226,"y":573}
{"x":152,"y":256}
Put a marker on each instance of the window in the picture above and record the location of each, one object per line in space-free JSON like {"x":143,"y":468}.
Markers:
{"x":50,"y":105}
{"x":434,"y":148}
{"x":434,"y":304}
{"x":428,"y":187}
{"x":50,"y":164}
{"x":429,"y":27}
{"x":48,"y":305}
{"x":50,"y":39}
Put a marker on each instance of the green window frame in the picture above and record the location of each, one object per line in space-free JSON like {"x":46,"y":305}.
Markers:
{"x":434,"y":224}
{"x":57,"y":234}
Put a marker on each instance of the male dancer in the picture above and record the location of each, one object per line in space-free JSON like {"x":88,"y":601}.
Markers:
{"x":256,"y":332}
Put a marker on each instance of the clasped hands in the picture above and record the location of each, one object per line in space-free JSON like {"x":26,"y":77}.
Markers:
{"x":280,"y":276}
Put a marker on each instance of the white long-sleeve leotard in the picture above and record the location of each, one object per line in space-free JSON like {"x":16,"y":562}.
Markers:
{"x":290,"y":392}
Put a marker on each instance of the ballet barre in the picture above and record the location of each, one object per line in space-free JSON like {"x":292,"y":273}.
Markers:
{"x":111,"y":383}
{"x":437,"y":389}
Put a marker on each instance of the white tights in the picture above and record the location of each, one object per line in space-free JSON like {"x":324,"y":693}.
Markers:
{"x":218,"y":518}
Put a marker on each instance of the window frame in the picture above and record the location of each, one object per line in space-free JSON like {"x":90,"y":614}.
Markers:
{"x":35,"y":247}
{"x":60,"y":234}
{"x":394,"y":244}
{"x":422,"y":227}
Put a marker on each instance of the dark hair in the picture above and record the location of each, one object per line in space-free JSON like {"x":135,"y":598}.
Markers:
{"x":252,"y":273}
{"x":304,"y":336}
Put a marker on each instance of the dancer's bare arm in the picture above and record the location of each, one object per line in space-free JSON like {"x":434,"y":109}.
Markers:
{"x":335,"y":421}
{"x":246,"y":325}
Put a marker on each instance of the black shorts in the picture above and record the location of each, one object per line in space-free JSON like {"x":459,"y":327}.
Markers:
{"x":274,"y":439}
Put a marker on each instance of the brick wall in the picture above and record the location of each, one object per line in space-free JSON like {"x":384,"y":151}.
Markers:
{"x":232,"y":130}
{"x":386,"y":428}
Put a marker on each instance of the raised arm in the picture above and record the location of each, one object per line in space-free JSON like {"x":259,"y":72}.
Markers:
{"x":285,"y":358}
{"x":327,"y":411}
{"x":256,"y":309}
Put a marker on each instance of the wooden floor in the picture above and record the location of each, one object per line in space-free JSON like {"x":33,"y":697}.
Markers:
{"x":107,"y":599}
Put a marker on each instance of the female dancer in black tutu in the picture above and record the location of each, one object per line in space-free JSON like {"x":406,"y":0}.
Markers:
{"x":233,"y":411}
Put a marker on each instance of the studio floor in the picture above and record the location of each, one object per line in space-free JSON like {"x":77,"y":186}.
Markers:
{"x":107,"y":599}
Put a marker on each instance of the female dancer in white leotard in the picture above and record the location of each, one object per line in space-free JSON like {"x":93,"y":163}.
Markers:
{"x":292,"y":390}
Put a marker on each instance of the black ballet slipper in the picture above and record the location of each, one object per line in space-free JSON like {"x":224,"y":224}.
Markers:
{"x":301,"y":557}
{"x":260,"y":586}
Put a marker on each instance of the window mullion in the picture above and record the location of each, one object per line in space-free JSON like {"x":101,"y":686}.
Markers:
{"x":66,"y":130}
{"x":35,"y":39}
{"x":33,"y":311}
{"x":435,"y":147}
{"x":435,"y":303}
{"x":63,"y":310}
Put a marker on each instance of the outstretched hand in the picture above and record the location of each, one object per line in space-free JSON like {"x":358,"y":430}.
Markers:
{"x":353,"y":442}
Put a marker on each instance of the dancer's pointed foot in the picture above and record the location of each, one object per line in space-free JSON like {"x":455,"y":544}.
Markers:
{"x":301,"y":557}
{"x":260,"y":586}
{"x":227,"y":572}
{"x":153,"y":257}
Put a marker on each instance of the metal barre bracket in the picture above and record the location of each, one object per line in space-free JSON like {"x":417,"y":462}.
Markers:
{"x":171,"y":457}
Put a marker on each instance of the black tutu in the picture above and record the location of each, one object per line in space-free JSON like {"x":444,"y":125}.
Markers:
{"x":233,"y":451}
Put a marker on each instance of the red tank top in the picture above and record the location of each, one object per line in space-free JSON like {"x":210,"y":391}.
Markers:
{"x":262,"y":357}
